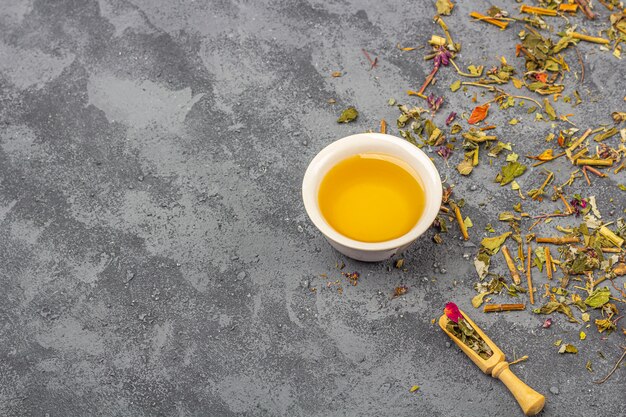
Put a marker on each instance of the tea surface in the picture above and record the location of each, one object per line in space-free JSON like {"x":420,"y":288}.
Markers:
{"x":371,"y":198}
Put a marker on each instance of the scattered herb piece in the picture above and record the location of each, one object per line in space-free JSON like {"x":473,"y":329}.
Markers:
{"x":478,"y":114}
{"x":509,"y":172}
{"x":348,"y":115}
{"x":400,"y":291}
{"x":567,"y":348}
{"x":598,"y":298}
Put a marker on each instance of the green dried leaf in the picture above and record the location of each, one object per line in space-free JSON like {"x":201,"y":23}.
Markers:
{"x":492,"y":244}
{"x":621,"y":187}
{"x":465,"y":167}
{"x":478,"y":299}
{"x":549,"y":109}
{"x":475,"y":70}
{"x":509,"y":172}
{"x":598,"y":297}
{"x":455,"y":85}
{"x":505,"y":216}
{"x":552,"y":306}
{"x":567,"y":348}
{"x":348,"y":115}
{"x":606,"y":134}
{"x":444,"y":7}
{"x":605,"y":325}
{"x":481,"y":263}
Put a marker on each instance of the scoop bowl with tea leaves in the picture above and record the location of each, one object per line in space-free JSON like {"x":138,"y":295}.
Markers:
{"x":488,"y":357}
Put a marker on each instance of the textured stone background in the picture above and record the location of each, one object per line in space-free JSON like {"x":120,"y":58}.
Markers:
{"x":155,"y":257}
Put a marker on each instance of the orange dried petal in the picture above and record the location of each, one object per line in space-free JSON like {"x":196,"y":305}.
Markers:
{"x":478,"y":114}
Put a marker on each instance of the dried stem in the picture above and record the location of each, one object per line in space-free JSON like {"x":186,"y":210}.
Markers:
{"x":621,"y":358}
{"x":595,"y":162}
{"x":522,"y":359}
{"x":464,"y":74}
{"x":495,"y":22}
{"x":511,"y":264}
{"x":595,"y":171}
{"x":383,"y":126}
{"x":492,"y":308}
{"x":558,"y":240}
{"x":584,"y":5}
{"x":459,"y":219}
{"x":443,"y":25}
{"x":502,"y":92}
{"x":428,"y":79}
{"x":568,"y":207}
{"x":529,"y":277}
{"x":587,"y":38}
{"x":586,"y":176}
{"x":548,"y":261}
{"x":582,"y":66}
{"x":537,"y":10}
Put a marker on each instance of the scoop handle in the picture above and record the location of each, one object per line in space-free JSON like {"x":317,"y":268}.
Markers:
{"x":529,"y":400}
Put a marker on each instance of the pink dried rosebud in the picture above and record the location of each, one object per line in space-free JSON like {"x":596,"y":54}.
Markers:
{"x":547,"y":323}
{"x":452,"y":312}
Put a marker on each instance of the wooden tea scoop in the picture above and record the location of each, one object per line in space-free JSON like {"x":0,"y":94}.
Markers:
{"x":530,"y":400}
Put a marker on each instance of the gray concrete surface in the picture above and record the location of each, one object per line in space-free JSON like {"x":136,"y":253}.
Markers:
{"x":155,"y":257}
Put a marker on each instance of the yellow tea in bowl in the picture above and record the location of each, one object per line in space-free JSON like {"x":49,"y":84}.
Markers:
{"x":371,"y":197}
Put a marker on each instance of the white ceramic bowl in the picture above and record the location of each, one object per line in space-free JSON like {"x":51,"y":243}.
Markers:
{"x":371,"y":143}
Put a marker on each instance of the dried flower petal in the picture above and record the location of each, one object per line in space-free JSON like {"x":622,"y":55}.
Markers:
{"x":478,"y":114}
{"x":450,"y":118}
{"x":452,"y":312}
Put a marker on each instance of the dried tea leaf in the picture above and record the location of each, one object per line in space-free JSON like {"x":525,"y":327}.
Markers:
{"x":509,"y":172}
{"x":598,"y":298}
{"x":400,"y":291}
{"x":506,"y":216}
{"x":414,"y":388}
{"x":478,"y":114}
{"x":481,"y":263}
{"x":465,"y":167}
{"x":444,"y":7}
{"x":606,"y":134}
{"x":549,"y":109}
{"x":605,"y":325}
{"x":552,"y":306}
{"x":567,"y":348}
{"x":455,"y":85}
{"x":336,"y":74}
{"x":585,"y":317}
{"x":478,"y":299}
{"x":492,"y":244}
{"x":513,"y":122}
{"x":348,"y":115}
{"x":582,"y":335}
{"x":477,"y":136}
{"x":618,"y":116}
{"x":476,"y":71}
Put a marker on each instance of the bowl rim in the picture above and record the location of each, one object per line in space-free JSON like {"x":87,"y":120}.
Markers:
{"x":431,"y":182}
